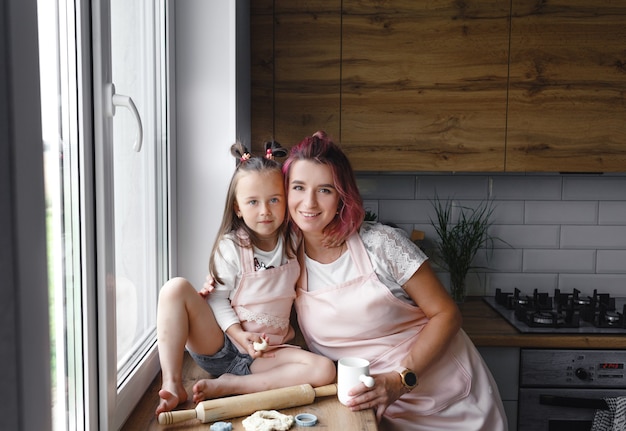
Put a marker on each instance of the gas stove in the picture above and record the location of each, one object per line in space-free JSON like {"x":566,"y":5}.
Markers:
{"x":571,"y":312}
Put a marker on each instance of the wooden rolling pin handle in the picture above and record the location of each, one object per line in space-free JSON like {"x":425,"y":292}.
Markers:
{"x":169,"y":418}
{"x":325,"y":391}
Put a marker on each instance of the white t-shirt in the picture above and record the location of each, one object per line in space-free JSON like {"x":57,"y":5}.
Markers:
{"x":394,"y":258}
{"x":229,"y":268}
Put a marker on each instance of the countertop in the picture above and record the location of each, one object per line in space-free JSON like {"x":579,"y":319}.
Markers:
{"x":487,"y":328}
{"x":330,"y":413}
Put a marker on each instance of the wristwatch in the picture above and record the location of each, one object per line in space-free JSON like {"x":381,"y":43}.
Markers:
{"x":409,"y":378}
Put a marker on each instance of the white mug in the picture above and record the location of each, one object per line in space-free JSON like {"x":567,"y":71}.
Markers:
{"x":351,"y":372}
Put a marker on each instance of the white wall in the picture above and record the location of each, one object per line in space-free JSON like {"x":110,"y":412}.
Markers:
{"x":207,"y":121}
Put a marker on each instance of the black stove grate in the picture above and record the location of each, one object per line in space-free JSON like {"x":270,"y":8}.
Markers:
{"x":573,"y":311}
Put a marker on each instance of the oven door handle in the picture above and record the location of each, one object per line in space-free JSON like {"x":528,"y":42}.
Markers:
{"x":575,"y":402}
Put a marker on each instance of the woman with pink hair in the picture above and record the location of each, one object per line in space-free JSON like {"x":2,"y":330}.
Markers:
{"x":366,"y":290}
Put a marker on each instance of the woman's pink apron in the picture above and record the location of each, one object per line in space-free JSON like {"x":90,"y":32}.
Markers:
{"x":264,"y":298}
{"x":361,"y":317}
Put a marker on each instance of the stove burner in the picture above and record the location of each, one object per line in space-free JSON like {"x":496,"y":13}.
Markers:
{"x":545,"y":318}
{"x":581,"y":301}
{"x":561,"y":311}
{"x":612,"y":317}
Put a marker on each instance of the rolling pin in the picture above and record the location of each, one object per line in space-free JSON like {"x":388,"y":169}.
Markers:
{"x":241,"y":405}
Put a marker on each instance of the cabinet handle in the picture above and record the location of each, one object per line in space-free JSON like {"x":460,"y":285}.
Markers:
{"x":114,"y":100}
{"x":575,"y":402}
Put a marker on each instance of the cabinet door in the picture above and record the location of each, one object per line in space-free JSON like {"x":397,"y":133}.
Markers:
{"x":503,"y":362}
{"x":424,"y":84}
{"x":307,"y":69}
{"x":567,"y":99}
{"x":261,"y":73}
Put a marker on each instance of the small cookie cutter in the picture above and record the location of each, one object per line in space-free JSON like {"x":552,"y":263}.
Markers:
{"x":221,"y":426}
{"x":306,"y":420}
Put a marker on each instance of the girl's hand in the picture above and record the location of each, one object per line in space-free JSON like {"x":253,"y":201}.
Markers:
{"x":257,"y":345}
{"x":207,"y":287}
{"x":387,"y":389}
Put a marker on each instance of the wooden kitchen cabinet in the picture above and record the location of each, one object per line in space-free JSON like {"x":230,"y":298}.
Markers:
{"x":567,"y":91}
{"x":297,"y":72}
{"x":424,"y":84}
{"x":433,"y":86}
{"x":402,"y":85}
{"x":261,"y":72}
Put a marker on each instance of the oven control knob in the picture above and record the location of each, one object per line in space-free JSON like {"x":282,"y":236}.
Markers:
{"x":581,"y":373}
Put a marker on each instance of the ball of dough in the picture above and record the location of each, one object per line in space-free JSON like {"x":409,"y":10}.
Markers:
{"x":259,"y":347}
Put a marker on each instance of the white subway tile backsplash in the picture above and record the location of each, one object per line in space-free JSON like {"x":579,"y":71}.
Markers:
{"x":386,"y":186}
{"x":475,"y":283}
{"x":596,"y":237}
{"x":580,"y":261}
{"x":586,"y":283}
{"x":611,"y":261}
{"x":594,"y":188}
{"x":566,"y":231}
{"x":453,"y":187}
{"x":525,"y":282}
{"x":526,"y":236}
{"x":508,"y":212}
{"x":405,"y":211}
{"x":612,"y":212}
{"x":521,"y":187}
{"x":561,"y":212}
{"x":499,"y":260}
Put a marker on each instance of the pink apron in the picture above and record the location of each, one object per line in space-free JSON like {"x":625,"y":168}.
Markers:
{"x":264,"y":298}
{"x":361,"y":317}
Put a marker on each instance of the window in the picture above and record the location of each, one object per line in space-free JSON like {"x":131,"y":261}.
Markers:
{"x":106,"y":169}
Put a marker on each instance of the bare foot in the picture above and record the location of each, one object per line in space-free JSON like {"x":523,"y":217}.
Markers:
{"x":169,"y":400}
{"x":211,"y":388}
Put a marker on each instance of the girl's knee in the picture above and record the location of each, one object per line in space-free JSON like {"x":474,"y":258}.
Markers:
{"x":175,"y":287}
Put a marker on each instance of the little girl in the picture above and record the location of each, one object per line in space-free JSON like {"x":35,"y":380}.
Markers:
{"x":254,"y":269}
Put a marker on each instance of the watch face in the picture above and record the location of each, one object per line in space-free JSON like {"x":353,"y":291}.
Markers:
{"x":410,"y":378}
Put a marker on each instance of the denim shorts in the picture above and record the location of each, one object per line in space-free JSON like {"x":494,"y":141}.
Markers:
{"x":229,"y":360}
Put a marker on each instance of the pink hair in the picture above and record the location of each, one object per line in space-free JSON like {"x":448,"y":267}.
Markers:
{"x":319,"y":148}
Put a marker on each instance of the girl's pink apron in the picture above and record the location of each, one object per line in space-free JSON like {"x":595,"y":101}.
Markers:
{"x":361,"y":317}
{"x":264,"y":299}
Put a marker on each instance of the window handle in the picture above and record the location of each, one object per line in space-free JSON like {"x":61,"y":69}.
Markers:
{"x":114,"y":100}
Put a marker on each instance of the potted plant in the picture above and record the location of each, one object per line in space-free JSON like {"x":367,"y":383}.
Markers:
{"x":460,"y":240}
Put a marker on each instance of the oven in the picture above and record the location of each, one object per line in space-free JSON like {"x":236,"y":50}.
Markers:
{"x":561,"y":390}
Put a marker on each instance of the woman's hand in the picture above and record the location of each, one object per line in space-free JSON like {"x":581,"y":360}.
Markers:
{"x":387,"y":389}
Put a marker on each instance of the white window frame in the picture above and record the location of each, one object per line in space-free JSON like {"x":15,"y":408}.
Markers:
{"x":26,"y":373}
{"x":115,"y":402}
